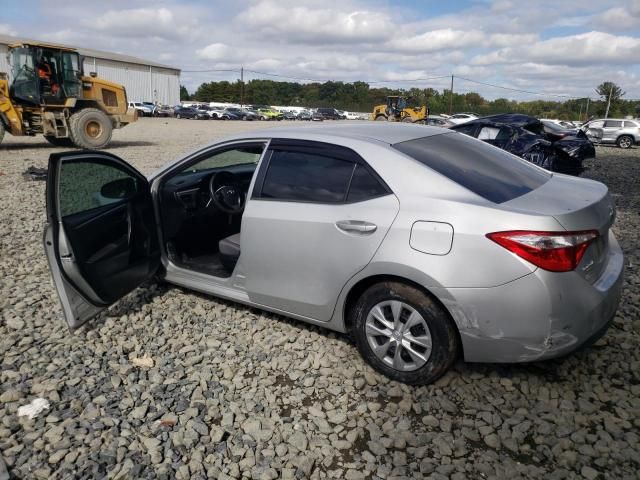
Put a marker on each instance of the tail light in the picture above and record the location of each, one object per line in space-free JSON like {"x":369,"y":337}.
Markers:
{"x":553,"y":251}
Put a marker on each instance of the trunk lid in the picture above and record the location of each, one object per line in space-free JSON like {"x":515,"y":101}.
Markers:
{"x":577,"y":204}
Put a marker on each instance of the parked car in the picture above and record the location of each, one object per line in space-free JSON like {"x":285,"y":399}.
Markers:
{"x":268,"y":113}
{"x":317,"y":117}
{"x":189,"y":112}
{"x":330,"y":114}
{"x":164,"y":111}
{"x":304,"y":115}
{"x":459,"y":118}
{"x":526,"y":137}
{"x":142,"y":109}
{"x":621,"y":132}
{"x":567,"y":125}
{"x":497,"y":260}
{"x":437,"y":121}
{"x":289,"y":116}
{"x":242,"y":113}
{"x":152,"y":106}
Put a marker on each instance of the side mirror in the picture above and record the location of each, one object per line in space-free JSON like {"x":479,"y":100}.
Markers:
{"x":120,"y":189}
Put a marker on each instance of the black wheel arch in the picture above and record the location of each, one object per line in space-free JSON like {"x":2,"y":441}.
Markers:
{"x":362,"y":285}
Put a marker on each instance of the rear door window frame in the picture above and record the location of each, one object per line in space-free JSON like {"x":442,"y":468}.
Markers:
{"x":329,"y":150}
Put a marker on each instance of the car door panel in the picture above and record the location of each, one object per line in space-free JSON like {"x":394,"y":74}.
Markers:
{"x":297,"y":259}
{"x":99,"y":248}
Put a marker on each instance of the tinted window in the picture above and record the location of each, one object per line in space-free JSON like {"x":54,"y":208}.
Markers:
{"x":613,"y":123}
{"x":629,"y":124}
{"x":229,"y":158}
{"x":306,"y":177}
{"x":364,"y":186}
{"x":487,"y":171}
{"x":81,"y":185}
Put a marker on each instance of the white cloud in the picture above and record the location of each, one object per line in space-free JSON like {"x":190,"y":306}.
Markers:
{"x":286,"y":23}
{"x":621,"y":18}
{"x":437,"y":40}
{"x":6,"y":29}
{"x":216,"y":51}
{"x":143,"y":23}
{"x":593,"y":48}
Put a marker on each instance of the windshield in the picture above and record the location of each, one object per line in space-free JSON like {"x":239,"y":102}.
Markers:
{"x":25,"y":80}
{"x":487,"y":171}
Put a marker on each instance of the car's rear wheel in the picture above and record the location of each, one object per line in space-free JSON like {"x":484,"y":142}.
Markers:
{"x":625,"y":141}
{"x":404,"y":333}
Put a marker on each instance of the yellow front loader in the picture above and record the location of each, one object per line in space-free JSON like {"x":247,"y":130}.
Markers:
{"x":396,"y":110}
{"x":50,"y":95}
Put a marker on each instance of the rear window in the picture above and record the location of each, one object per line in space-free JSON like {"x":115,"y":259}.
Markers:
{"x":487,"y":171}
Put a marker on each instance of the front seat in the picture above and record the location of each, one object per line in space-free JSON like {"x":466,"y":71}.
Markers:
{"x":229,"y":251}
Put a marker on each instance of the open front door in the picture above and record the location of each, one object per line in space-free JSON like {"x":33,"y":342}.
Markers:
{"x":101,"y":238}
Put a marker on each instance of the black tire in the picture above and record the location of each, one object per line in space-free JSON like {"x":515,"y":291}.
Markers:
{"x":59,"y":142}
{"x":2,"y":130}
{"x":625,"y":141}
{"x":90,"y":128}
{"x":444,"y":337}
{"x":381,"y":118}
{"x":407,"y":120}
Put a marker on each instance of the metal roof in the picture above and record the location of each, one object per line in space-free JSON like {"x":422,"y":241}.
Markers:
{"x":385,"y":132}
{"x":88,"y":52}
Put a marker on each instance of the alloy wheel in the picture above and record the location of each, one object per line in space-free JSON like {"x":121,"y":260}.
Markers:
{"x":398,"y":335}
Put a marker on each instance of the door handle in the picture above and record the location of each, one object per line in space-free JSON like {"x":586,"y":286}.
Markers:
{"x":358,"y":226}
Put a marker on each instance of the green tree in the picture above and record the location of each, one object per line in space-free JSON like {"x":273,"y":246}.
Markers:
{"x":184,"y":93}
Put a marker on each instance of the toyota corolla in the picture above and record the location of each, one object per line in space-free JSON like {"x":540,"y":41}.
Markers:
{"x":421,"y":243}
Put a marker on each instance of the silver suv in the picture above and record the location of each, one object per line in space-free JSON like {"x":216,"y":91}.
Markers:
{"x":622,"y":132}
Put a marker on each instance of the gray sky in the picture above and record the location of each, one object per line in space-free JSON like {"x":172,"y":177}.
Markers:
{"x":557,"y":47}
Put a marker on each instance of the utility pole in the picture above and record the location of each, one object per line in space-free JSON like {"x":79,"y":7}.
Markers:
{"x":606,"y":114}
{"x":580,"y":114}
{"x":242,"y":86}
{"x":586,"y":111}
{"x":451,"y":97}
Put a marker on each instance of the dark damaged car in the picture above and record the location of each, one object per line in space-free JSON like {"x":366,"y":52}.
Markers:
{"x":560,"y":151}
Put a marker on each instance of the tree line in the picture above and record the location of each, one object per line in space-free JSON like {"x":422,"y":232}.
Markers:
{"x":361,"y":97}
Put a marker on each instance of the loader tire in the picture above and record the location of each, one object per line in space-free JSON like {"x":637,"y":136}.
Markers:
{"x":381,"y":118}
{"x":407,"y":120}
{"x":2,"y":129}
{"x":90,"y":128}
{"x":59,"y":142}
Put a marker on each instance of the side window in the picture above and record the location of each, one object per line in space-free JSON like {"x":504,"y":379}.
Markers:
{"x":229,"y":158}
{"x":629,"y":124}
{"x":612,"y":124}
{"x":596,"y":124}
{"x":364,"y":186}
{"x":86,"y":185}
{"x":306,"y":177}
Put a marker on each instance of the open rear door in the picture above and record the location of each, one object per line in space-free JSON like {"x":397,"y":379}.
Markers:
{"x":101,"y":238}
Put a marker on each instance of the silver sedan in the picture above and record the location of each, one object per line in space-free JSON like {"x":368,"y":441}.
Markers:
{"x":423,"y":244}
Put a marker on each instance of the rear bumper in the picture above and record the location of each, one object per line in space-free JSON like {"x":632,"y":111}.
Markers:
{"x":539,"y":316}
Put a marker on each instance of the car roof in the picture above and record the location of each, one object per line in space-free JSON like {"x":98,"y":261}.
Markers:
{"x":388,"y":133}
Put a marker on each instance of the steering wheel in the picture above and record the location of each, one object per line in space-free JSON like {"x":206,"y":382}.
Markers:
{"x":227,"y":193}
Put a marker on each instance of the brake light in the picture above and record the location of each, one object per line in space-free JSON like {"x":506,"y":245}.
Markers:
{"x":553,"y":251}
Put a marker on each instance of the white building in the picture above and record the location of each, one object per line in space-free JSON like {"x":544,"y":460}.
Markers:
{"x":144,"y":81}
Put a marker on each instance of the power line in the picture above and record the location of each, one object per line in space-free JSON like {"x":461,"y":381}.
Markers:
{"x":210,"y":71}
{"x":517,"y":89}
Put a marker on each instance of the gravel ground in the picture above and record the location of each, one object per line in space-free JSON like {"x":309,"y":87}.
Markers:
{"x":231,"y":392}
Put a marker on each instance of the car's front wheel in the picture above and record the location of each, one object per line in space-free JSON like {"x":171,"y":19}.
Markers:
{"x":404,"y":333}
{"x":625,"y":141}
